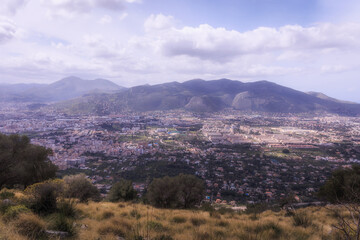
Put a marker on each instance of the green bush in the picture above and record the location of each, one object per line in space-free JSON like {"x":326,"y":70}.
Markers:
{"x":6,"y":194}
{"x":23,"y":163}
{"x":122,"y":191}
{"x":59,"y":222}
{"x":44,"y":196}
{"x":182,"y":191}
{"x":14,"y":211}
{"x":78,"y":186}
{"x":67,"y":208}
{"x":4,"y":206}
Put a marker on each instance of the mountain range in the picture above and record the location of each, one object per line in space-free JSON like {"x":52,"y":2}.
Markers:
{"x":209,"y":96}
{"x":64,"y":89}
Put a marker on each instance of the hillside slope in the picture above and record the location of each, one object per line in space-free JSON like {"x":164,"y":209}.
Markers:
{"x":106,"y":220}
{"x":209,"y":96}
{"x":64,"y":89}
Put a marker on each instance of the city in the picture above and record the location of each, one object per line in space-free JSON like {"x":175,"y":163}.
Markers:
{"x":243,"y":157}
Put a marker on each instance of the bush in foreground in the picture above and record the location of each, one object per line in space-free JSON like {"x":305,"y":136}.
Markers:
{"x":30,"y":225}
{"x":122,"y":191}
{"x":182,"y":191}
{"x":78,"y":186}
{"x":43,"y":196}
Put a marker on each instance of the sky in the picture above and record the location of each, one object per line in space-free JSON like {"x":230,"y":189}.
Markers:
{"x":308,"y":45}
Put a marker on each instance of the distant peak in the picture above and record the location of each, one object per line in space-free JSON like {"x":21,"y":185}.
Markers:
{"x":70,"y":78}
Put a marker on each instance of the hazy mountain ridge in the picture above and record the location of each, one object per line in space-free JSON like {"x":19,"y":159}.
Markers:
{"x":325,"y":97}
{"x":209,"y":96}
{"x":64,"y":89}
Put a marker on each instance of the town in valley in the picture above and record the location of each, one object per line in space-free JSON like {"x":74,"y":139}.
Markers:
{"x":243,"y":157}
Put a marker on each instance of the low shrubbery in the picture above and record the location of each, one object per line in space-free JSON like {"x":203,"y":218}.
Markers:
{"x":59,"y":222}
{"x":14,"y":211}
{"x":31,"y":226}
{"x":78,"y":186}
{"x":301,"y":219}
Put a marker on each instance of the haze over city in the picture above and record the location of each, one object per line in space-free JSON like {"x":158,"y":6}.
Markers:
{"x":303,"y":44}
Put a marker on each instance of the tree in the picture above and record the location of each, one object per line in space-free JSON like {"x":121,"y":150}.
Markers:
{"x":191,"y":190}
{"x":78,"y":186}
{"x":343,"y":189}
{"x":182,"y":191}
{"x":286,"y":151}
{"x":23,"y":163}
{"x":122,"y":190}
{"x":162,"y":192}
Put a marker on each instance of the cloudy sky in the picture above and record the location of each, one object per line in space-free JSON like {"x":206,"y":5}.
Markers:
{"x":309,"y":45}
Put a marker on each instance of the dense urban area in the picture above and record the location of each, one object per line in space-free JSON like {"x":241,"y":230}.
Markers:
{"x":242,"y":157}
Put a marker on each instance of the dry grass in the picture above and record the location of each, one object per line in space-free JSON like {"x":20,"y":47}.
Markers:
{"x":106,"y":220}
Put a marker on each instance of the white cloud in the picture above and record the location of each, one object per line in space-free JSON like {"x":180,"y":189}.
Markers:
{"x":7,"y":30}
{"x":87,"y":5}
{"x":123,"y":16}
{"x":335,"y":68}
{"x":158,"y":22}
{"x":69,"y":8}
{"x":106,"y":19}
{"x":220,"y":44}
{"x":93,"y":40}
{"x":11,"y":6}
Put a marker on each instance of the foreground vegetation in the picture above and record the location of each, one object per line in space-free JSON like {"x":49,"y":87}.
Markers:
{"x":126,"y":220}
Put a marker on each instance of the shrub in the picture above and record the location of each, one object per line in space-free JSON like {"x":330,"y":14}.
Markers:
{"x":67,"y":208}
{"x":107,"y":215}
{"x":44,"y":195}
{"x":222,"y":224}
{"x":4,"y":206}
{"x":14,"y":211}
{"x":135,"y":214}
{"x":182,"y":191}
{"x":30,"y":226}
{"x":178,"y":219}
{"x":122,"y":190}
{"x":59,"y":222}
{"x":197,"y":221}
{"x":78,"y":186}
{"x":6,"y":194}
{"x":301,"y":219}
{"x":286,"y":151}
{"x":156,"y":226}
